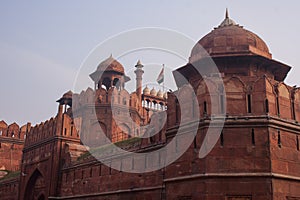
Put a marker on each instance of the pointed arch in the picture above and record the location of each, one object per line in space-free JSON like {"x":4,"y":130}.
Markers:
{"x":270,"y":96}
{"x":297,"y":104}
{"x":206,"y":91}
{"x":187,"y":98}
{"x":96,"y":135}
{"x":35,"y":187}
{"x":123,"y":132}
{"x":259,"y":97}
{"x":234,"y":84}
{"x":236,"y":103}
{"x":284,"y":101}
{"x":283,"y":90}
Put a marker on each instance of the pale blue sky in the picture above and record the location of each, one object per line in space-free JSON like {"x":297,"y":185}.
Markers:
{"x":42,"y":44}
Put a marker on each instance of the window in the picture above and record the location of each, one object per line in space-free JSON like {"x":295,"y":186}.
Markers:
{"x":277,"y":106}
{"x":267,"y":105}
{"x":0,"y":132}
{"x":293,"y":110}
{"x":195,"y":142}
{"x":222,"y":103}
{"x":249,"y":103}
{"x":205,"y":107}
{"x":279,"y":139}
{"x":253,"y":137}
{"x":297,"y":142}
{"x":177,"y":111}
{"x":222,"y":139}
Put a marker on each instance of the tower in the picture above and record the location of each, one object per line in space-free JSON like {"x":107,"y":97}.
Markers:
{"x":261,"y":132}
{"x":139,"y":78}
{"x":46,"y":150}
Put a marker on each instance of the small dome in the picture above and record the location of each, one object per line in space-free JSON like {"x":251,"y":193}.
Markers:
{"x":68,"y":95}
{"x":229,"y":39}
{"x":111,"y":64}
{"x":153,"y":92}
{"x":146,"y":91}
{"x":165,"y":95}
{"x":160,"y":94}
{"x":66,"y":98}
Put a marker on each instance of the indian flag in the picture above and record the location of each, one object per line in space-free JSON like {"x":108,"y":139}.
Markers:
{"x":160,"y":77}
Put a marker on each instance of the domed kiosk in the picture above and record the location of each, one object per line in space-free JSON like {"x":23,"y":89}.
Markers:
{"x":109,"y":73}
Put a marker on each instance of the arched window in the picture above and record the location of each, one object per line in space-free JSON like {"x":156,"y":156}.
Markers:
{"x":106,"y":83}
{"x":116,"y":83}
{"x":161,"y":106}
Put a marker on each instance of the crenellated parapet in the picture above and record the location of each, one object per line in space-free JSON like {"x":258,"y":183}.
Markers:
{"x":13,"y":130}
{"x":103,"y":109}
{"x":41,"y":132}
{"x":11,"y":144}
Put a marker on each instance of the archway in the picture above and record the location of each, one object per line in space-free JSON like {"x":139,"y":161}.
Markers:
{"x":35,"y":187}
{"x":42,"y":197}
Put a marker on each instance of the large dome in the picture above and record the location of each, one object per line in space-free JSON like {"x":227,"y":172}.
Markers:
{"x":229,"y":39}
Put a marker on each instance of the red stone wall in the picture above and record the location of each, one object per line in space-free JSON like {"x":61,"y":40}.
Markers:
{"x":285,"y":154}
{"x":11,"y":145}
{"x":9,"y":189}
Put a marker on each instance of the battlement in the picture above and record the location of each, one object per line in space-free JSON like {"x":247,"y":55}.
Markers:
{"x":11,"y":144}
{"x":101,"y":96}
{"x":13,"y":131}
{"x":41,"y":131}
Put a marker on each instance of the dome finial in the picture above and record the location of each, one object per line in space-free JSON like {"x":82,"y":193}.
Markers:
{"x":227,"y":21}
{"x":226,"y":14}
{"x":139,"y":64}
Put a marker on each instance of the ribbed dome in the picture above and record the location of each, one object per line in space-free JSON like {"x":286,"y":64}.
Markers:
{"x":229,"y":39}
{"x":160,"y":94}
{"x":165,"y":95}
{"x":153,"y":92}
{"x":111,"y":64}
{"x":146,"y":91}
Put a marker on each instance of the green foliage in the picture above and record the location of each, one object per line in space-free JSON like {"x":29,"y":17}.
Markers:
{"x":124,"y":144}
{"x":10,"y":175}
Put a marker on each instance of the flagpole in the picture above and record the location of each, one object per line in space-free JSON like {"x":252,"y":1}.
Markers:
{"x":164,"y":78}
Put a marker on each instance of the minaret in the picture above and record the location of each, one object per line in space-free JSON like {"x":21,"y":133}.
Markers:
{"x":139,"y":78}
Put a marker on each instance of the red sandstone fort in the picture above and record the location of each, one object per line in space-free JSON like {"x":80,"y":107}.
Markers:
{"x":256,"y":157}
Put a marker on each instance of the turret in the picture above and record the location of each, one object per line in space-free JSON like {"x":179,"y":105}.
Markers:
{"x":65,"y":101}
